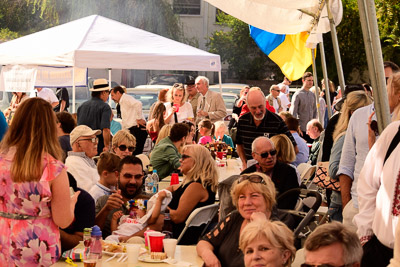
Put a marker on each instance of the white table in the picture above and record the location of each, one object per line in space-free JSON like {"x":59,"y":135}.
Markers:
{"x":182,"y":253}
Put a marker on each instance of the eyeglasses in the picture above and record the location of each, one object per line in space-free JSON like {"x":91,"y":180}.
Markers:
{"x":266,"y":154}
{"x":124,"y":147}
{"x":322,"y":265}
{"x":93,"y":140}
{"x":185,"y":157}
{"x":252,"y":178}
{"x":129,"y":176}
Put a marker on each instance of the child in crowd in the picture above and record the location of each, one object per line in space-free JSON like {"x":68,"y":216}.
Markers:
{"x":107,"y":167}
{"x":141,"y":213}
{"x":206,"y":129}
{"x":220,"y":130}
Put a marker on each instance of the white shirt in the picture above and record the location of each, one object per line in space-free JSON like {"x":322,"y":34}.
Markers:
{"x":275,"y":105}
{"x":86,"y":176}
{"x":185,"y":112}
{"x":48,"y":95}
{"x":379,"y":191}
{"x":284,"y":101}
{"x":99,"y":190}
{"x":131,"y":110}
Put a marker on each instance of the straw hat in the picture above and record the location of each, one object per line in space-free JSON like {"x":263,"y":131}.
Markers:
{"x":100,"y":85}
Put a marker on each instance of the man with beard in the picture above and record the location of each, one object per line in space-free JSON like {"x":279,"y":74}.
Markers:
{"x":258,"y":122}
{"x":130,"y":184}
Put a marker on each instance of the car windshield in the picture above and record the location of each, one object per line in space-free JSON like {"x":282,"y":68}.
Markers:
{"x":167,"y":79}
{"x":227,"y":90}
{"x":229,"y":100}
{"x":147,"y":99}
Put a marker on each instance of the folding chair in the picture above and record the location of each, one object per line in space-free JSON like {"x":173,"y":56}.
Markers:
{"x":306,"y":171}
{"x":200,"y":216}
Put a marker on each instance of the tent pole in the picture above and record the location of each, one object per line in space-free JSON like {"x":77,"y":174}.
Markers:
{"x":220,"y":82}
{"x":326,"y":81}
{"x":73,"y":89}
{"x":336,"y":49}
{"x":375,"y":61}
{"x":314,"y":68}
{"x":109,"y":84}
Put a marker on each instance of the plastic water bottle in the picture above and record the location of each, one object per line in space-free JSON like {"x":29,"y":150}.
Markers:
{"x":148,"y":182}
{"x":155,"y":181}
{"x":95,"y":247}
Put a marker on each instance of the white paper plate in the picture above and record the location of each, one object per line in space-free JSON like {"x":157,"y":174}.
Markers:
{"x":147,"y":258}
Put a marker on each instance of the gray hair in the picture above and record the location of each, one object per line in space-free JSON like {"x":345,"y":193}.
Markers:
{"x":335,"y":232}
{"x":254,"y":144}
{"x":202,"y":78}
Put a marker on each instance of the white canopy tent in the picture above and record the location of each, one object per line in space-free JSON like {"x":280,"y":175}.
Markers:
{"x":98,"y":42}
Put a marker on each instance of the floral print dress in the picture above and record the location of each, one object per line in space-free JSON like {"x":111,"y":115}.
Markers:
{"x":32,"y":240}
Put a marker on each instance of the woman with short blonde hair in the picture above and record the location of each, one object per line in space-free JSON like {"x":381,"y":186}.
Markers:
{"x":275,"y":236}
{"x":284,"y":148}
{"x":123,"y":143}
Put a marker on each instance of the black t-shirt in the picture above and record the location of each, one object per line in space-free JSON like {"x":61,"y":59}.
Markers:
{"x":62,"y":94}
{"x":225,"y":240}
{"x":192,"y":235}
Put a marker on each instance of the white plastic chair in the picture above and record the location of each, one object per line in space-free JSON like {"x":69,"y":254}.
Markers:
{"x":306,"y":171}
{"x":199,"y":216}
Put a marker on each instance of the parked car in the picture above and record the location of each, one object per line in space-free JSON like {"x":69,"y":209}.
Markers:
{"x":169,"y":79}
{"x":234,"y":88}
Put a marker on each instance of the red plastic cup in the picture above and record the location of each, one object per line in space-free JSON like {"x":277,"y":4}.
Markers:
{"x":174,"y":179}
{"x":146,"y":243}
{"x":177,"y":107}
{"x":220,"y":155}
{"x":156,"y":241}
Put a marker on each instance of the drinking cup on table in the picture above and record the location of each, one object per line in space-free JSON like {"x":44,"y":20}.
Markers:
{"x":169,"y":247}
{"x":155,"y":241}
{"x":90,"y":260}
{"x":133,"y":250}
{"x":174,"y":179}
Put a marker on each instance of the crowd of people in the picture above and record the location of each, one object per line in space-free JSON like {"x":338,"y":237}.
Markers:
{"x":64,"y":172}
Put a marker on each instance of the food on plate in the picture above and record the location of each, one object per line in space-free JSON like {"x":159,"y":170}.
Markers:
{"x":158,"y":255}
{"x":113,"y":247}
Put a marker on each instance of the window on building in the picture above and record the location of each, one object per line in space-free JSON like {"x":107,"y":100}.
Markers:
{"x":187,"y":7}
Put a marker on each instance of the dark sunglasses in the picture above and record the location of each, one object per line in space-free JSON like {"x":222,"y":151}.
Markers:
{"x":185,"y":157}
{"x":124,"y":147}
{"x":321,"y":265}
{"x":137,"y":176}
{"x":252,"y":178}
{"x":374,"y":127}
{"x":266,"y":154}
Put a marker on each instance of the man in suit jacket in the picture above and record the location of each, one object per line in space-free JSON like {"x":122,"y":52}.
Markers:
{"x":210,"y":104}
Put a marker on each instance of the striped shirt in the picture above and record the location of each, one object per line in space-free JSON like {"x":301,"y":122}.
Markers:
{"x":271,"y":125}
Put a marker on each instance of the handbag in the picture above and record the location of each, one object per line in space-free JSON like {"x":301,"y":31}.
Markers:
{"x":323,"y":180}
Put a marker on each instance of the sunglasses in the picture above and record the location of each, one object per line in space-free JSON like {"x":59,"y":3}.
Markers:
{"x":124,"y":147}
{"x":93,"y":140}
{"x":252,"y":178}
{"x":185,"y":157}
{"x":322,"y":265}
{"x":266,"y":154}
{"x":129,"y":176}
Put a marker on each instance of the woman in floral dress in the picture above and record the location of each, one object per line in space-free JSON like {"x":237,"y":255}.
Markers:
{"x":34,"y":189}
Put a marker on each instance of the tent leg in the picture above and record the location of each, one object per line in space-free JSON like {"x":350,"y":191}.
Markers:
{"x":109,"y":84}
{"x":314,"y":68}
{"x":73,"y":90}
{"x":220,"y":82}
{"x":375,"y":62}
{"x":336,"y":49}
{"x":326,"y":81}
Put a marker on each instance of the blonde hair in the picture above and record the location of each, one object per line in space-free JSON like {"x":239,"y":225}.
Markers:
{"x":220,"y":124}
{"x":267,"y":190}
{"x":353,"y":101}
{"x":276,"y":233}
{"x":33,"y":133}
{"x":393,"y":92}
{"x":164,"y":132}
{"x":284,"y":148}
{"x":121,"y":136}
{"x":204,"y":168}
{"x":180,"y":87}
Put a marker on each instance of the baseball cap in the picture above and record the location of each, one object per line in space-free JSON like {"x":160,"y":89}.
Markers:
{"x":82,"y":130}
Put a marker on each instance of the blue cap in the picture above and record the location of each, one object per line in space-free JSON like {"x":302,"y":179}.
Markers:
{"x":154,"y":171}
{"x":96,"y":231}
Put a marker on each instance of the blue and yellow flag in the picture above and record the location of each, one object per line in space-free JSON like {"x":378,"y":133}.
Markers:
{"x":288,"y":51}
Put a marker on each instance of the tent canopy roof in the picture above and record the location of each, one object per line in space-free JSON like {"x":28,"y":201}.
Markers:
{"x":99,"y":42}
